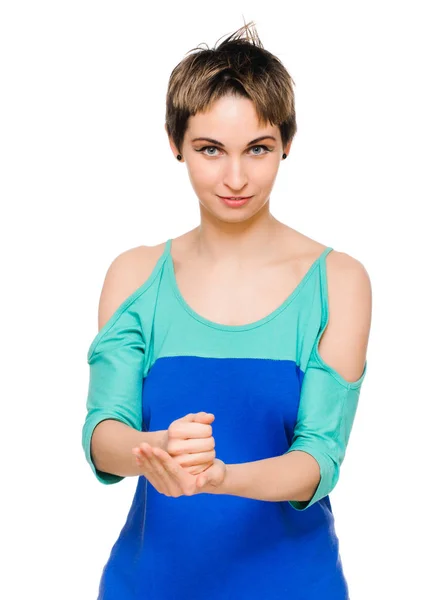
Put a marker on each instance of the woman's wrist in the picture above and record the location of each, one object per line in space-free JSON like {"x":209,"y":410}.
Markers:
{"x":158,"y":438}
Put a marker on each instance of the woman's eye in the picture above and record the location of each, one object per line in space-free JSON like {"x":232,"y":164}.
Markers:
{"x":215,"y":148}
{"x":206,"y":147}
{"x":261,"y":146}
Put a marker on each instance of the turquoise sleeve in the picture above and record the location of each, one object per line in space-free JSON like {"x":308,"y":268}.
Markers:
{"x":116,"y":359}
{"x":328,"y":404}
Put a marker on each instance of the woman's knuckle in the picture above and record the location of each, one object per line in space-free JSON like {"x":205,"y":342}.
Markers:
{"x":173,"y":447}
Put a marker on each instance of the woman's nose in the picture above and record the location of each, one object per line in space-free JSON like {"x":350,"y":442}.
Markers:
{"x":235,"y":176}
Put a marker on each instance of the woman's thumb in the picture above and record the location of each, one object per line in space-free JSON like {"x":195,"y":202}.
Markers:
{"x":204,"y":416}
{"x":203,"y":480}
{"x":198,"y":417}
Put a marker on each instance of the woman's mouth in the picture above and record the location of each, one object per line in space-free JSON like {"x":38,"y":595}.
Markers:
{"x":235,"y":201}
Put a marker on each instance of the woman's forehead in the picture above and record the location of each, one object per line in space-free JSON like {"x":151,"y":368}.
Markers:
{"x":229,"y":126}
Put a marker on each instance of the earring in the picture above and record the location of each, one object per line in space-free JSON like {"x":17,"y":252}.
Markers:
{"x":179,"y":156}
{"x":284,"y":155}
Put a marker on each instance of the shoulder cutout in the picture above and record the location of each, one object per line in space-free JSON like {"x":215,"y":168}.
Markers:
{"x":126,"y":274}
{"x":344,"y":342}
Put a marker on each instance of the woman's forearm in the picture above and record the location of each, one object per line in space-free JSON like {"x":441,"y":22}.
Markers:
{"x":292,"y":476}
{"x":111,"y":447}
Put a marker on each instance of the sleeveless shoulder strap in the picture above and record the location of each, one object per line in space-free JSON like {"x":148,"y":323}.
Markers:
{"x":324,"y":287}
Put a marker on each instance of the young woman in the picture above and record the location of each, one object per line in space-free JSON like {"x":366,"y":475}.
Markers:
{"x":228,"y":364}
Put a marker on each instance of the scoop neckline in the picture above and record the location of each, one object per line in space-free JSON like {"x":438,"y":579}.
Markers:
{"x":245,"y":326}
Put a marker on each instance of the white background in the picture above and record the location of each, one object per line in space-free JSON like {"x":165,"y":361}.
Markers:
{"x":87,"y":172}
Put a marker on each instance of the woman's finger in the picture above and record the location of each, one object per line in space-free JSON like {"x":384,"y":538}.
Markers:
{"x":196,"y":469}
{"x":157,"y":474}
{"x":164,"y":472}
{"x":199,"y":458}
{"x":170,"y":485}
{"x":183,"y":481}
{"x":190,"y":446}
{"x":163,"y":480}
{"x":144,"y":460}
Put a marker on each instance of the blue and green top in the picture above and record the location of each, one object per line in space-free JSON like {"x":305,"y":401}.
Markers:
{"x":156,"y":360}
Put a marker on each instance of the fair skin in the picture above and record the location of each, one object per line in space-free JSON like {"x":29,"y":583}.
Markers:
{"x":236,"y":267}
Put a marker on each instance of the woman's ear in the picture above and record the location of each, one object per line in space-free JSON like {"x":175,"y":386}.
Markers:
{"x":171,"y":144}
{"x":287,"y":148}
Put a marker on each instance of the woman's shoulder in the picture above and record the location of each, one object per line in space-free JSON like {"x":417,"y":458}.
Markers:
{"x":348,"y":303}
{"x":306,"y":250}
{"x":126,"y":273}
{"x":348,"y":282}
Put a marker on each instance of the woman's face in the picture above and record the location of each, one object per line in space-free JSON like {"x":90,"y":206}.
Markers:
{"x":228,"y":164}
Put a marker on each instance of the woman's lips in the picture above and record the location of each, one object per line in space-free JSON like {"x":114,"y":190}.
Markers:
{"x":233,"y":203}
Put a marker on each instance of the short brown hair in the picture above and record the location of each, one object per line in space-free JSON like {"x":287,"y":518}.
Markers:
{"x":240,"y":67}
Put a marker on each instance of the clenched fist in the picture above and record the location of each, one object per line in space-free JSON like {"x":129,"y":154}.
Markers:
{"x":190,"y":442}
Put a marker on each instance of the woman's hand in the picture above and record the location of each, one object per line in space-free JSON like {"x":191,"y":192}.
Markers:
{"x":168,"y":477}
{"x":190,"y":441}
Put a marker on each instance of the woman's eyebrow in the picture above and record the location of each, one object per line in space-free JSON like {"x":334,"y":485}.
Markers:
{"x":259,"y":139}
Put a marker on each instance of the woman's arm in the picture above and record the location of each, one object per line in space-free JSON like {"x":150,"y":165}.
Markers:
{"x":292,"y":476}
{"x":296,"y":474}
{"x":112,"y":443}
{"x":113,"y":424}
